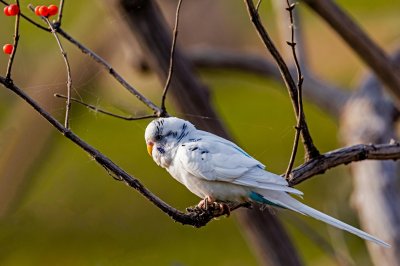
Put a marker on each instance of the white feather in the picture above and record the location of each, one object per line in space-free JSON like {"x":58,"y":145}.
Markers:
{"x":287,"y":201}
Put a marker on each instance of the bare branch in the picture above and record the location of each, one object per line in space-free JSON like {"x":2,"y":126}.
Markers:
{"x":300,"y":78}
{"x":98,"y":60}
{"x":341,"y":156}
{"x":60,"y":13}
{"x":111,"y":71}
{"x":258,"y":5}
{"x":15,"y":44}
{"x":310,"y":150}
{"x":69,"y":78}
{"x":171,"y":60}
{"x":99,"y":110}
{"x":361,"y":44}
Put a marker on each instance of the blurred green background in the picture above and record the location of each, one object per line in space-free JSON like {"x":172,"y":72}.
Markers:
{"x":58,"y":207}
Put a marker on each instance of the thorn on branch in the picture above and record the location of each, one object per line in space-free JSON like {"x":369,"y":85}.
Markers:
{"x":291,"y":44}
{"x":291,"y":7}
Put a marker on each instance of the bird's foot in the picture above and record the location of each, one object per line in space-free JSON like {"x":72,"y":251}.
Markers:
{"x":225,"y":209}
{"x":209,"y":203}
{"x":205,"y":203}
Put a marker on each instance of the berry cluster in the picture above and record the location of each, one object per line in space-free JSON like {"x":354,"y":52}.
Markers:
{"x":11,"y":10}
{"x":46,"y":11}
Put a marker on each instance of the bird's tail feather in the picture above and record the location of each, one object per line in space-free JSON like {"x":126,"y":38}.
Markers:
{"x":285,"y":200}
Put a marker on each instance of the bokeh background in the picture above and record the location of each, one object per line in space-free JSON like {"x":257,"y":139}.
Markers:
{"x":58,"y":207}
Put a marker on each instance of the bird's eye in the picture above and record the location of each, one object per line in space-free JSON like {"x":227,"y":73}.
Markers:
{"x":158,"y":137}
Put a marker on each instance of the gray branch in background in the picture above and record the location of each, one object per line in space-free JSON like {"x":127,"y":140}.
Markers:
{"x":369,"y":117}
{"x":361,"y":44}
{"x":324,"y":95}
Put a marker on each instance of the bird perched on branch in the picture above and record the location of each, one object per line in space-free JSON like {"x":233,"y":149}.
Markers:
{"x":220,"y":172}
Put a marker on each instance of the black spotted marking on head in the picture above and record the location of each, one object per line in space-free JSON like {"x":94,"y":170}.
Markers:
{"x":161,"y":150}
{"x":193,"y":149}
{"x":159,"y":128}
{"x":183,"y":132}
{"x":204,"y":151}
{"x":171,"y":133}
{"x":194,"y":140}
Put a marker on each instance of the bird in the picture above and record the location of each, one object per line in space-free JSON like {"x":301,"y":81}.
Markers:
{"x":219,"y":171}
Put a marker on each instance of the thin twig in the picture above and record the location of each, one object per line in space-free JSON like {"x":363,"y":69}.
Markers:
{"x":111,"y":71}
{"x":171,"y":60}
{"x":99,"y":110}
{"x":98,"y":59}
{"x":69,"y":78}
{"x":300,"y":78}
{"x":310,"y":150}
{"x":15,"y":44}
{"x":60,"y":13}
{"x":258,"y":5}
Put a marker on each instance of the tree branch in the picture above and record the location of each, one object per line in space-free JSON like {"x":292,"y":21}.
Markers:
{"x":324,"y":95}
{"x":341,"y":156}
{"x":69,"y":78}
{"x":300,"y":79}
{"x":369,"y":117}
{"x":98,"y":59}
{"x":60,"y":13}
{"x":361,"y":44}
{"x":171,"y":60}
{"x":310,"y":150}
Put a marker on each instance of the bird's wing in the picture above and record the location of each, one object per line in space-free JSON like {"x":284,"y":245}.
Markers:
{"x":216,"y":159}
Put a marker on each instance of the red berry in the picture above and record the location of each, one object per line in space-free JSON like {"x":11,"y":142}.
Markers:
{"x":13,"y":9}
{"x":44,"y":11}
{"x":53,"y":9}
{"x":37,"y":10}
{"x":8,"y":48}
{"x":6,"y":11}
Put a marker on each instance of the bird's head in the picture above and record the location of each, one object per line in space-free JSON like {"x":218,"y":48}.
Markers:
{"x":163,"y":134}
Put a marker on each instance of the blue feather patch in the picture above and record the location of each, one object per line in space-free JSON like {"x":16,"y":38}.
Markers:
{"x":260,"y":199}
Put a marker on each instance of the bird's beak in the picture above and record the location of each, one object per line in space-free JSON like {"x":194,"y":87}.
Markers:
{"x":150,"y":148}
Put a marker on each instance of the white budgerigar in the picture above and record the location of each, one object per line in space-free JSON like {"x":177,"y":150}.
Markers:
{"x":217,"y":170}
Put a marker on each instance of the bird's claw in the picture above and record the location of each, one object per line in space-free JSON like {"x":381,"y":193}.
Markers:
{"x":208,"y":203}
{"x":205,"y":203}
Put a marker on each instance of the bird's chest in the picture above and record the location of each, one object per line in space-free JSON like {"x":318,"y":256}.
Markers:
{"x":222,"y":191}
